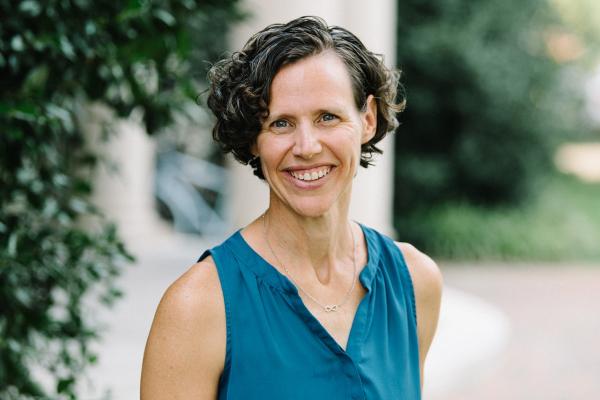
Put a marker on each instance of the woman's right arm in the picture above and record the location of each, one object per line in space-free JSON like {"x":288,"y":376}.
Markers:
{"x":185,"y":351}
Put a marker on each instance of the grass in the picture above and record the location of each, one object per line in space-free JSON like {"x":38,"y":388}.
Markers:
{"x":561,"y":224}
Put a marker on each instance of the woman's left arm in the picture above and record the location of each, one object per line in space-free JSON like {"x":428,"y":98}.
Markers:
{"x":427,"y":283}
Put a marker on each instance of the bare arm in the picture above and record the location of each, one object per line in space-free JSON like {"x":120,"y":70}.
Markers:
{"x":185,"y":351}
{"x":427,"y":283}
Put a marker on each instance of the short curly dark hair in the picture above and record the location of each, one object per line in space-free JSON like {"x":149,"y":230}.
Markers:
{"x":239,"y":85}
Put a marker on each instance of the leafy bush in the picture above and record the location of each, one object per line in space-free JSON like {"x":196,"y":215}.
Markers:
{"x":56,"y":56}
{"x":486,"y":104}
{"x":560,"y":223}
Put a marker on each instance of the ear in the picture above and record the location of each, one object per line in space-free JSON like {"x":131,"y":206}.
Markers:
{"x":369,"y":120}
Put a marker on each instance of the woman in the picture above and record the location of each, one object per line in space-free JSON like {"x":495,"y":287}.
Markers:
{"x":302,"y":303}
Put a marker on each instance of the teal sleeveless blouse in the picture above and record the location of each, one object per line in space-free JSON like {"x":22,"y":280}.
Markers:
{"x":276,"y":349}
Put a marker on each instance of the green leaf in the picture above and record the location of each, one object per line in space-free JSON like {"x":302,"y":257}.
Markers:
{"x":17,"y":43}
{"x":36,"y":80}
{"x":30,"y":7}
{"x":67,"y":47}
{"x":65,"y":385}
{"x":12,"y":244}
{"x":23,"y":111}
{"x":165,"y":17}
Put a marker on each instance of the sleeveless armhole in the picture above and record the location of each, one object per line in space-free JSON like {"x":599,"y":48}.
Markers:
{"x":407,"y":279}
{"x":225,"y":289}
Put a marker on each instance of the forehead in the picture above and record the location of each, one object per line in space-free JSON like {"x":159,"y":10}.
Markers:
{"x":318,"y":81}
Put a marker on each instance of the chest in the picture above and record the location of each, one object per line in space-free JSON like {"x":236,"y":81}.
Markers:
{"x":286,"y":347}
{"x":337,"y":323}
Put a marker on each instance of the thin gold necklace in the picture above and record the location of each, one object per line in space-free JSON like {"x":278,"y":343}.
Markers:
{"x":327,"y":308}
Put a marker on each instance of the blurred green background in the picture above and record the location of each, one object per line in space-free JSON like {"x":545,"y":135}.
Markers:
{"x":495,"y":89}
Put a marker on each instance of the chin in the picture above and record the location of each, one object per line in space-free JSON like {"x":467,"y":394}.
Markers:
{"x":312,"y":209}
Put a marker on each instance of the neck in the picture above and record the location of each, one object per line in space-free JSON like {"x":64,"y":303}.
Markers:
{"x":320,"y":244}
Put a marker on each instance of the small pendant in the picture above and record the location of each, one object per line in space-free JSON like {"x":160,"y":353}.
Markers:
{"x":331,"y":308}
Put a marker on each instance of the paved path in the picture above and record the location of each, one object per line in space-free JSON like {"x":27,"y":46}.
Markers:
{"x":553,"y":352}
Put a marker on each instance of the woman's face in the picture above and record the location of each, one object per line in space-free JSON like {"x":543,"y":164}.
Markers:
{"x":309,"y":146}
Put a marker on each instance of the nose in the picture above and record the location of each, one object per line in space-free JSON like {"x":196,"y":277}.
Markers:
{"x":306,"y":142}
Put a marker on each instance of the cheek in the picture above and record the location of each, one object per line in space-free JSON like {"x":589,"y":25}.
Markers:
{"x":271,"y":152}
{"x":352,"y":139}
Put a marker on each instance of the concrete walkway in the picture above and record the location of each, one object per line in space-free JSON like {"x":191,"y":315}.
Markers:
{"x":471,"y":332}
{"x":553,"y":351}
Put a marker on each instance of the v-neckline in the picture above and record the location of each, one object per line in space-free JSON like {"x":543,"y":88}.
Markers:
{"x":274,"y":278}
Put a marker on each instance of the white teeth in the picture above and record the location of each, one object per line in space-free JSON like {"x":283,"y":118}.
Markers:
{"x":311,"y":176}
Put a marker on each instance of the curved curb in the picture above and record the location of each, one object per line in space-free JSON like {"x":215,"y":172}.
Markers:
{"x":471,"y":334}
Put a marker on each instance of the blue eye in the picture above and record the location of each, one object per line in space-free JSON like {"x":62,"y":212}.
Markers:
{"x":281,"y":123}
{"x":328,"y":117}
{"x":280,"y":126}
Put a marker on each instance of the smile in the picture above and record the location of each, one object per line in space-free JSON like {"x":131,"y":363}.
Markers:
{"x":311,"y":174}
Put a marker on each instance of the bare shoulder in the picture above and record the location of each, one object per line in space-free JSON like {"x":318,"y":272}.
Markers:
{"x":425,"y":273}
{"x":185,"y":351}
{"x":427,"y":282}
{"x":198,"y":289}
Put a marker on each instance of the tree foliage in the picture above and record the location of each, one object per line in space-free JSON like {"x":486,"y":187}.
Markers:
{"x":485,"y":102}
{"x":56,"y":56}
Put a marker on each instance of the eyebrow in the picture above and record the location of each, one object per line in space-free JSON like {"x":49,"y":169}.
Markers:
{"x":285,"y":115}
{"x":275,"y":117}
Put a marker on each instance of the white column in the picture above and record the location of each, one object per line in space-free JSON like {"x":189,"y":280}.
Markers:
{"x":124,"y":181}
{"x":374,"y":24}
{"x":373,"y":191}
